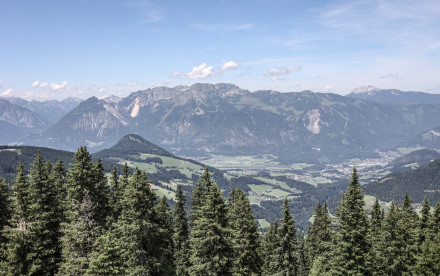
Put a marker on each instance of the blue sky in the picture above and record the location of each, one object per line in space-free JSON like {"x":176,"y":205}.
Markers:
{"x":61,"y":48}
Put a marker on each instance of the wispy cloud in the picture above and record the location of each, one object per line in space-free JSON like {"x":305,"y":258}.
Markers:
{"x":223,"y":27}
{"x":131,"y":83}
{"x":6,"y":93}
{"x":39,"y":84}
{"x":391,"y":76}
{"x":102,"y":90}
{"x":277,"y":73}
{"x":154,"y":16}
{"x":1,"y":84}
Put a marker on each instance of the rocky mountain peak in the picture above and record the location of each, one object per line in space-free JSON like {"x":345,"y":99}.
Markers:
{"x":365,"y":89}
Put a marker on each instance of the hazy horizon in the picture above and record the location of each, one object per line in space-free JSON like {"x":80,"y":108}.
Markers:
{"x":58,"y":49}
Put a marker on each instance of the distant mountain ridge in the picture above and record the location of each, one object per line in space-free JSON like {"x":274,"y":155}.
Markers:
{"x":50,"y":110}
{"x":225,"y":119}
{"x":16,"y":121}
{"x":394,"y":95}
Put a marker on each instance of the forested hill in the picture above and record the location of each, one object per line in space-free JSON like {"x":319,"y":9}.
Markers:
{"x":418,"y":183}
{"x":11,"y":156}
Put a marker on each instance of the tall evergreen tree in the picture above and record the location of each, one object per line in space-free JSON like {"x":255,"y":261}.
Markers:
{"x":320,"y":237}
{"x":116,"y":195}
{"x":271,"y":260}
{"x":353,"y":244}
{"x":100,"y":193}
{"x":165,"y":237}
{"x":376,"y":256}
{"x":44,"y":218}
{"x":424,"y":222}
{"x":140,"y":233}
{"x":18,"y":234}
{"x":79,"y":237}
{"x":244,"y":235}
{"x":435,"y":220}
{"x":5,"y":217}
{"x":181,"y":234}
{"x":288,"y":243}
{"x":210,"y":250}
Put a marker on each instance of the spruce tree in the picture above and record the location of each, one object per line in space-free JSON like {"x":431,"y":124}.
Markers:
{"x":100,"y":193}
{"x":428,"y":261}
{"x":244,"y":235}
{"x":435,"y":220}
{"x":181,"y":234}
{"x":424,"y":222}
{"x":288,"y":243}
{"x":141,"y":236}
{"x":210,"y":250}
{"x":320,"y":238}
{"x":79,"y":237}
{"x":165,"y":237}
{"x":5,"y":217}
{"x":106,"y":257}
{"x":45,"y":219}
{"x":115,"y":195}
{"x":18,"y":234}
{"x":353,"y":244}
{"x":271,"y":260}
{"x":376,"y":257}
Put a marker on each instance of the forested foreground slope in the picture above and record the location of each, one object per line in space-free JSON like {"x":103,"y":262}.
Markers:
{"x":72,"y":222}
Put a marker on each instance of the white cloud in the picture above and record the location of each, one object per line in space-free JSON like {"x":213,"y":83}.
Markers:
{"x":230,"y":65}
{"x":6,"y":93}
{"x":58,"y":87}
{"x":223,"y":27}
{"x":202,"y":71}
{"x":131,"y":83}
{"x":39,"y":84}
{"x":276,"y":72}
{"x":102,"y":90}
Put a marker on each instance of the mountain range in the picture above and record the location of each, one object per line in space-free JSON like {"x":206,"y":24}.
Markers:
{"x":225,"y":119}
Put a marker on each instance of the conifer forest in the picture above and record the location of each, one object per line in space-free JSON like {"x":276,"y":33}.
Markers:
{"x":78,"y":221}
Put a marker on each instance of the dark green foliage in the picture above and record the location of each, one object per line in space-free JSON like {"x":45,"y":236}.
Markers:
{"x":435,"y":222}
{"x":79,"y":237}
{"x":421,"y":182}
{"x":45,"y":219}
{"x":100,"y":193}
{"x":5,"y":216}
{"x":18,"y":234}
{"x":423,"y":230}
{"x":210,"y":249}
{"x":106,"y":258}
{"x":244,"y":236}
{"x":353,"y":245}
{"x":428,"y":261}
{"x":86,"y":177}
{"x":181,"y":234}
{"x":271,"y":260}
{"x":320,"y":238}
{"x":115,"y":195}
{"x":288,"y":243}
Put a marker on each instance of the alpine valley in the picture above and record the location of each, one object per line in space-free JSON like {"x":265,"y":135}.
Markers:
{"x":299,"y":145}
